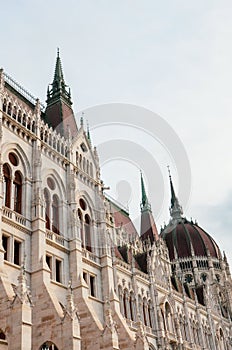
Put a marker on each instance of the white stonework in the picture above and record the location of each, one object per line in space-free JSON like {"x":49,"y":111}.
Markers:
{"x":64,"y":281}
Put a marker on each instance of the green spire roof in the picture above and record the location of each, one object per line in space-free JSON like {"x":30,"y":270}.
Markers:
{"x":58,"y":88}
{"x":175,"y":209}
{"x":58,"y":76}
{"x":173,"y":195}
{"x":145,"y":205}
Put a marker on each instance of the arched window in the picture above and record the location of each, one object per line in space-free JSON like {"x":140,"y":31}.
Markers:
{"x":47,"y":208}
{"x":24,"y":120}
{"x":19,"y":116}
{"x":33,"y":126}
{"x":81,"y":226}
{"x":17,"y":192}
{"x":150,"y":314}
{"x":7,"y":185}
{"x":120,"y":295}
{"x":55,"y":214}
{"x":140,"y":306}
{"x":4,"y":105}
{"x":14,"y":112}
{"x":125,"y":304}
{"x":131,"y":304}
{"x":87,"y":233}
{"x":145,"y":311}
{"x":9,"y":110}
{"x":48,"y":346}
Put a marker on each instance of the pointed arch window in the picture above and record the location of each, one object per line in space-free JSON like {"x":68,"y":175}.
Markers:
{"x":9,"y":110}
{"x":150,"y":314}
{"x":125,"y":304}
{"x":55,"y":214}
{"x":4,"y":105}
{"x":19,"y":116}
{"x":144,"y":311}
{"x":14,"y":112}
{"x":120,"y":295}
{"x":18,"y":192}
{"x":81,"y":226}
{"x":47,"y":208}
{"x":7,"y":185}
{"x":48,"y":346}
{"x":87,"y":233}
{"x":131,"y":304}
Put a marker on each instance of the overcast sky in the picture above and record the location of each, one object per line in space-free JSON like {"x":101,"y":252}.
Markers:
{"x":173,"y":58}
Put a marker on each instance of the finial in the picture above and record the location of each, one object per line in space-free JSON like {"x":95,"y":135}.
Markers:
{"x":58,"y":52}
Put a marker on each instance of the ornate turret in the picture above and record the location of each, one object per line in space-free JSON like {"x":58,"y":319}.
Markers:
{"x":59,"y":114}
{"x":148,"y":226}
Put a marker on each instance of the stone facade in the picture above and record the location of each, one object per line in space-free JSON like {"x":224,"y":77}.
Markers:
{"x":74,"y":272}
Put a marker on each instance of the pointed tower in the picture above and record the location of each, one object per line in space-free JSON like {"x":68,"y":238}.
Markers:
{"x":176,"y":211}
{"x":59,"y":114}
{"x":148,"y":226}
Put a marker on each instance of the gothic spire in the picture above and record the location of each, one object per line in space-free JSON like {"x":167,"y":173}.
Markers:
{"x":148,"y":230}
{"x":58,"y":86}
{"x":145,"y":205}
{"x":175,"y":209}
{"x":58,"y":76}
{"x":59,"y":114}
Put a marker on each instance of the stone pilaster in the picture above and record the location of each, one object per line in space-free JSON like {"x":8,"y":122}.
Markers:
{"x":71,"y":323}
{"x":110,"y":335}
{"x":21,"y":315}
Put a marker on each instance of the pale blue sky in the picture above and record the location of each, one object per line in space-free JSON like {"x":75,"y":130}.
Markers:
{"x":172,"y":57}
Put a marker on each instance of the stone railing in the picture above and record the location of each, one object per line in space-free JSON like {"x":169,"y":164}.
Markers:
{"x":56,"y":238}
{"x":89,"y":255}
{"x":12,"y":215}
{"x":21,"y":90}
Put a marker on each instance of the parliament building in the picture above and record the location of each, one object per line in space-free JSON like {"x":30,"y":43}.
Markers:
{"x":75,"y":274}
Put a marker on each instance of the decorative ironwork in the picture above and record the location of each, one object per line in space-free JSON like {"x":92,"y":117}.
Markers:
{"x":22,"y":91}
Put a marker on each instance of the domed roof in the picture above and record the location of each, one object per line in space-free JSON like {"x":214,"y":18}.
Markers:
{"x":185,"y":238}
{"x":183,"y":234}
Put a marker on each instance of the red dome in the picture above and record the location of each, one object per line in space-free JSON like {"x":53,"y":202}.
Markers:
{"x":182,"y":233}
